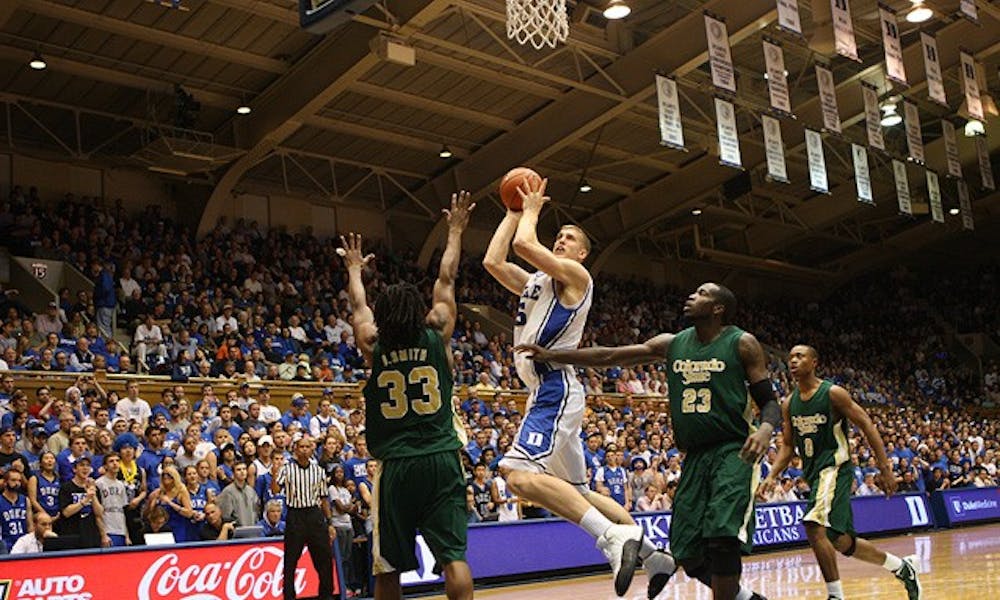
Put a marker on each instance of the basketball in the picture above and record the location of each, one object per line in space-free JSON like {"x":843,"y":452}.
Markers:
{"x":511,"y":181}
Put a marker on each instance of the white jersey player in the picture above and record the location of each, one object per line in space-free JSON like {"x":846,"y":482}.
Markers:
{"x":545,"y":464}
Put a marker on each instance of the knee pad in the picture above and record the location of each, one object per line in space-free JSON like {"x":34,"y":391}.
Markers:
{"x":854,"y":545}
{"x":725,"y":558}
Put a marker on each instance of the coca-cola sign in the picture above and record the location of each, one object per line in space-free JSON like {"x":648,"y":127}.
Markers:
{"x":249,"y":570}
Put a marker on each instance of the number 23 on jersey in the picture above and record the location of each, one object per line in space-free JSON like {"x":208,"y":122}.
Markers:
{"x":398,"y":404}
{"x":696,"y":400}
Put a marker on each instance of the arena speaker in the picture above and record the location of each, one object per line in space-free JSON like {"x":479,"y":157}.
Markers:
{"x":322,"y":16}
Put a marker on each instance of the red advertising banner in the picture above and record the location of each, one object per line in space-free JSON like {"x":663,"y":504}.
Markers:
{"x":233,"y":571}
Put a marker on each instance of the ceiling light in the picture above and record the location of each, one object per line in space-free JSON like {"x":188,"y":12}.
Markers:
{"x":585,"y":186}
{"x":37,"y":62}
{"x":617,"y":9}
{"x":954,"y":211}
{"x":445,"y":152}
{"x":919,"y":14}
{"x":696,"y":211}
{"x":890,"y":118}
{"x":974,"y":128}
{"x":244,"y":109}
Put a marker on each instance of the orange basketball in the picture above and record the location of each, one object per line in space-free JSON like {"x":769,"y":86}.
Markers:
{"x":511,"y":181}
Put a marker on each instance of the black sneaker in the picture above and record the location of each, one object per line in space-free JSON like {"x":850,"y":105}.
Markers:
{"x":660,"y":567}
{"x":757,"y":596}
{"x":907,"y":573}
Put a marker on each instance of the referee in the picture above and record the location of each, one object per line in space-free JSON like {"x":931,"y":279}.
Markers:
{"x":308,"y":521}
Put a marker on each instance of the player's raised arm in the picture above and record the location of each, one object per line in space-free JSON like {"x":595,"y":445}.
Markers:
{"x":651,"y":351}
{"x":364,"y":319}
{"x":567,"y":270}
{"x":507,"y":273}
{"x":846,"y":406}
{"x":443,"y":310}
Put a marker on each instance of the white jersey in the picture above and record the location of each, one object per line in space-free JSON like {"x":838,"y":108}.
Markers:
{"x":543,"y":320}
{"x":506,"y":511}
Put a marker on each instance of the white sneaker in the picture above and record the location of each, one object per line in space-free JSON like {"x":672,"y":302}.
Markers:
{"x":660,"y":567}
{"x":621,"y":543}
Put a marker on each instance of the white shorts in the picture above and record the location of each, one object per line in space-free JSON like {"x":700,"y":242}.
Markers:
{"x":549,"y":438}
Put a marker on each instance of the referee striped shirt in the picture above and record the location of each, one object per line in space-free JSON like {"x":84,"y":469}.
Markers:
{"x":305,"y":487}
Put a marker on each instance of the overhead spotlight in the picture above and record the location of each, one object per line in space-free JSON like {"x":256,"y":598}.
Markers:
{"x":954,"y":211}
{"x":766,"y":76}
{"x":244,"y":109}
{"x":37,"y":62}
{"x":445,"y":152}
{"x":617,"y":9}
{"x":920,"y":13}
{"x":585,"y":186}
{"x":696,"y":211}
{"x":974,"y":127}
{"x":890,"y":118}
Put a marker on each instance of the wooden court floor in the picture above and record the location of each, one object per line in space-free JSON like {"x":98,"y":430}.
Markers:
{"x":956,"y":564}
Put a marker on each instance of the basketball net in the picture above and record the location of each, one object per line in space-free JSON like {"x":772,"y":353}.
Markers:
{"x":537,"y":22}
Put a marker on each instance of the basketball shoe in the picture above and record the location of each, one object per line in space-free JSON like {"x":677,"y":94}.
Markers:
{"x":907,"y":573}
{"x":659,"y":569}
{"x":620,"y":544}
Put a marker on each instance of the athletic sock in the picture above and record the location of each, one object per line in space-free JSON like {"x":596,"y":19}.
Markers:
{"x":648,"y":547}
{"x":892,"y":562}
{"x":594,"y":523}
{"x":744,"y":594}
{"x":835,"y":589}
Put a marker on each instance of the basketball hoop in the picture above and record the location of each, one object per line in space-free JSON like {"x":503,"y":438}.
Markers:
{"x":537,"y":22}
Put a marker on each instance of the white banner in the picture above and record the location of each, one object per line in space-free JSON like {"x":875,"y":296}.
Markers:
{"x":828,"y":98}
{"x":729,"y":139}
{"x":985,"y":168}
{"x":774,"y":149}
{"x":894,"y":69}
{"x":788,"y":16}
{"x":968,"y":9}
{"x":932,"y":67}
{"x":965,"y":205}
{"x":914,"y":137}
{"x":862,"y":175}
{"x":951,"y":149}
{"x":719,"y":55}
{"x":902,"y":187}
{"x":843,"y":29}
{"x":671,"y":129}
{"x":934,"y":196}
{"x":873,"y":117}
{"x":777,"y":83}
{"x":817,"y":163}
{"x":972,"y":99}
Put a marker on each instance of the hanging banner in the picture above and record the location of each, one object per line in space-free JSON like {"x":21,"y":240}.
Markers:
{"x":965,"y":206}
{"x":774,"y":149}
{"x":934,"y":196}
{"x":902,"y":187}
{"x":828,"y":98}
{"x":968,"y":9}
{"x":817,"y":164}
{"x":914,"y":138}
{"x":719,"y":55}
{"x":985,"y":168}
{"x":777,"y":83}
{"x":843,"y":29}
{"x":972,"y":99}
{"x":873,"y":118}
{"x":932,"y":67}
{"x":729,"y":139}
{"x":951,"y":149}
{"x":894,"y":69}
{"x":671,"y":129}
{"x":862,"y":175}
{"x":788,"y":16}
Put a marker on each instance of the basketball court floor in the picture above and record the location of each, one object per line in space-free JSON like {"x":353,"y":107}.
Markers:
{"x":956,"y":564}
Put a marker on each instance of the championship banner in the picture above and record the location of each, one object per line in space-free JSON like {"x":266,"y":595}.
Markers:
{"x":934,"y":196}
{"x":862,"y":175}
{"x":965,"y":206}
{"x":951,"y":149}
{"x":817,"y":164}
{"x":729,"y":139}
{"x":972,"y":98}
{"x":985,"y":168}
{"x":902,"y":187}
{"x":914,"y":138}
{"x":774,"y":149}
{"x":967,"y":8}
{"x":894,"y":68}
{"x":777,"y":83}
{"x":843,"y":29}
{"x":932,"y":68}
{"x":788,"y":16}
{"x":671,"y":128}
{"x":873,"y":118}
{"x":828,"y":98}
{"x":719,"y":54}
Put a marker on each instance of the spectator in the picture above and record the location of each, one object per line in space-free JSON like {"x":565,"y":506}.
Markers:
{"x":238,"y":500}
{"x":272,"y":525}
{"x":173,"y":497}
{"x":215,"y":527}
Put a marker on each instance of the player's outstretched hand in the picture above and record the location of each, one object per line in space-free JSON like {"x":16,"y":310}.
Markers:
{"x":888,"y":479}
{"x":350,"y":250}
{"x":756,"y":445}
{"x":534,"y":352}
{"x":532,"y":192}
{"x":765,"y":487}
{"x":461,"y":208}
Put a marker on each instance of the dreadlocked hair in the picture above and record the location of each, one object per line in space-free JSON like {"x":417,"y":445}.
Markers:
{"x":400,"y":315}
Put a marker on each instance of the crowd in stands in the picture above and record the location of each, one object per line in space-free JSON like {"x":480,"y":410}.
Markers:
{"x":248,"y":306}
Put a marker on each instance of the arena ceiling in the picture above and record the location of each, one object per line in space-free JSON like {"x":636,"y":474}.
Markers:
{"x":333,"y":122}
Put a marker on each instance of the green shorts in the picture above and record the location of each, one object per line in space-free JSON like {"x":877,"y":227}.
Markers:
{"x":830,"y":501}
{"x":714,"y":500}
{"x":420,"y":492}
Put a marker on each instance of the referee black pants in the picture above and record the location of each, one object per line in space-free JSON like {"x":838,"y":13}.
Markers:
{"x":306,"y":527}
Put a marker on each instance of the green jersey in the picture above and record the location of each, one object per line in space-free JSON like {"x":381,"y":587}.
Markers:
{"x":709,"y":404}
{"x":408,"y":401}
{"x":820,"y":434}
